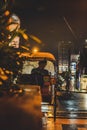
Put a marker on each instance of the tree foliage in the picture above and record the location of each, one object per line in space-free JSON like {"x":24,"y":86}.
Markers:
{"x":10,"y":62}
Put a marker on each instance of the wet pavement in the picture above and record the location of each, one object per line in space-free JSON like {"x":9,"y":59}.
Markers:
{"x":71,"y":112}
{"x":65,"y":124}
{"x":72,"y":105}
{"x":21,"y":111}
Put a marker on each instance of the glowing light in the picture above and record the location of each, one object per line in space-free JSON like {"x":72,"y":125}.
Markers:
{"x":6,"y":13}
{"x":35,"y":49}
{"x":86,"y":40}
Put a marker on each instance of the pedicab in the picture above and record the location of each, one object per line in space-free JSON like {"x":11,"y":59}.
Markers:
{"x":30,"y":62}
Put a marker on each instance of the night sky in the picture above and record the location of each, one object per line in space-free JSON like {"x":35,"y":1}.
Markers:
{"x":46,"y":20}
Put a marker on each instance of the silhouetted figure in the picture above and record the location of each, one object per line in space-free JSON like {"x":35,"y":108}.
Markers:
{"x":77,"y":79}
{"x":39,"y":72}
{"x":67,"y":78}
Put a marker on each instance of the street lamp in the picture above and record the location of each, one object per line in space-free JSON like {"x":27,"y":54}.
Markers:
{"x":35,"y":49}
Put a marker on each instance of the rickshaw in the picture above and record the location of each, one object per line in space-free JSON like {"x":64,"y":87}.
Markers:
{"x":30,"y":62}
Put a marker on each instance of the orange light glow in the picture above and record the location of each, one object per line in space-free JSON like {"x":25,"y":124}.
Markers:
{"x":6,"y":13}
{"x":35,"y":49}
{"x":25,"y":36}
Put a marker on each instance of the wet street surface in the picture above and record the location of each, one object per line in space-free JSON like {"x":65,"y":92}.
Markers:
{"x":65,"y":124}
{"x":71,"y":112}
{"x":24,"y":112}
{"x":21,"y":111}
{"x":72,"y":105}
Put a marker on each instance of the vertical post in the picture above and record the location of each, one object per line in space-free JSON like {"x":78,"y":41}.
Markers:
{"x":69,"y":55}
{"x":58,"y":58}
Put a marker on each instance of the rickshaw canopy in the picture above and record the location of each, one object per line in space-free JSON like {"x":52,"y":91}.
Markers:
{"x":39,"y":56}
{"x":31,"y":61}
{"x":46,"y":82}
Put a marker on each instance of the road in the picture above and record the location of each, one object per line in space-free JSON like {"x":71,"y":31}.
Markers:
{"x":71,"y":112}
{"x":21,"y":111}
{"x":24,"y":112}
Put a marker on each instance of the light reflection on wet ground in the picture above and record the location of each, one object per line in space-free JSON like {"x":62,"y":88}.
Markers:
{"x":71,"y":113}
{"x":65,"y":124}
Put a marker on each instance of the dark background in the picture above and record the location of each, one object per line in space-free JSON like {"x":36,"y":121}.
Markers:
{"x":45,"y":19}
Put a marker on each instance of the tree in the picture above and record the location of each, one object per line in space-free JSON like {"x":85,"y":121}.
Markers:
{"x":10,"y":60}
